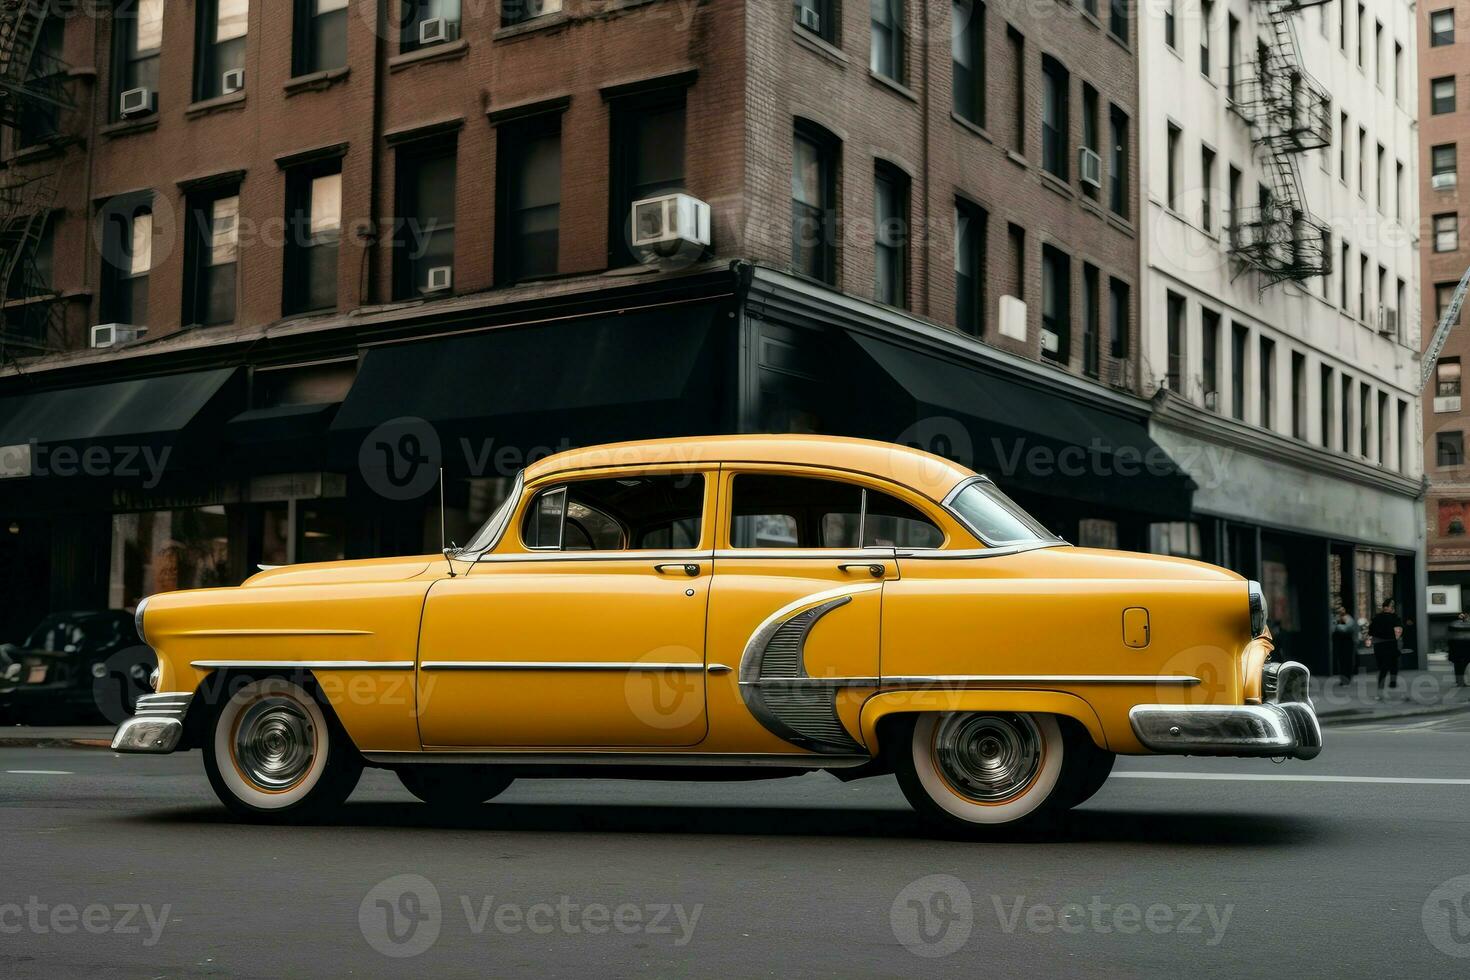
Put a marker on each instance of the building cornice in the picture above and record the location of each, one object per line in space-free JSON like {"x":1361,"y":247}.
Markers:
{"x":1176,"y":412}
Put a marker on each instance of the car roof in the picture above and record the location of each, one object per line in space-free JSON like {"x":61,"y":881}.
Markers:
{"x":934,"y":476}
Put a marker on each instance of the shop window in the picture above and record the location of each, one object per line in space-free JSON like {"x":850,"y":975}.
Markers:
{"x":797,"y":512}
{"x":319,"y":37}
{"x":167,"y":550}
{"x":211,"y":256}
{"x":1178,"y":538}
{"x":219,"y":63}
{"x":1093,"y":532}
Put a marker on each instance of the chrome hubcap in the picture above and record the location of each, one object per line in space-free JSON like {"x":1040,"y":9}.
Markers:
{"x":988,"y":758}
{"x":275,"y":742}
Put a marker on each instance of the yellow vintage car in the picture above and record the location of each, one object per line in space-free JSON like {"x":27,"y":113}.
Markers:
{"x":724,"y":607}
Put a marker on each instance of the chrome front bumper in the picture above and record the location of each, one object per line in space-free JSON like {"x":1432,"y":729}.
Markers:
{"x":157,"y":726}
{"x":1283,"y":726}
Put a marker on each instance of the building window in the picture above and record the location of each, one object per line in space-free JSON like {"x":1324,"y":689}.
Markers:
{"x":1171,"y":15}
{"x":1091,"y":316}
{"x":1207,"y":188}
{"x":647,"y":161}
{"x":890,"y":235}
{"x":520,"y":11}
{"x":967,"y":39}
{"x":320,"y":36}
{"x":1447,"y":378}
{"x":211,"y":256}
{"x":39,"y":120}
{"x":814,"y":204}
{"x":1362,"y":287}
{"x":1239,"y":338}
{"x":817,"y":16}
{"x":1403,"y":431}
{"x":1055,"y":101}
{"x":220,"y":56}
{"x":1442,"y":95}
{"x":1378,"y":53}
{"x":423,"y":241}
{"x":886,"y":54}
{"x":1380,"y":178}
{"x":1118,"y":303}
{"x":1206,"y":34}
{"x":1298,"y":395}
{"x":1210,"y":357}
{"x":1118,"y":19}
{"x":1268,"y":383}
{"x":1017,"y":44}
{"x":1174,"y":371}
{"x":1090,"y":132}
{"x":1365,"y":420}
{"x":138,"y":37}
{"x":1342,"y":148}
{"x":1232,"y":57}
{"x":1118,"y":162}
{"x":1342,"y":25}
{"x":970,"y":224}
{"x":1324,"y":396}
{"x":314,"y":228}
{"x":427,"y":22}
{"x":1174,"y":137}
{"x":1398,"y":72}
{"x":127,"y":258}
{"x":1449,"y":448}
{"x":528,"y":181}
{"x":1444,"y":292}
{"x":1362,"y":163}
{"x":1362,"y":35}
{"x":1056,"y":303}
{"x":1446,"y":232}
{"x":1345,"y":405}
{"x":1441,"y":28}
{"x":1344,"y":275}
{"x":1444,"y":166}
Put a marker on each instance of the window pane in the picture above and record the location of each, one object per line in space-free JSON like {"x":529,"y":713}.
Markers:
{"x":794,"y":512}
{"x":223,"y":230}
{"x":232,"y":19}
{"x":140,"y":249}
{"x":148,"y":31}
{"x":657,"y":153}
{"x":434,"y":191}
{"x":625,"y":513}
{"x":326,"y":204}
{"x":993,"y":516}
{"x":327,"y":6}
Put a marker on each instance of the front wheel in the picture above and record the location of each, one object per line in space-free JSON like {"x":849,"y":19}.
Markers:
{"x":450,"y":785}
{"x":972,"y":770}
{"x":273,"y":755}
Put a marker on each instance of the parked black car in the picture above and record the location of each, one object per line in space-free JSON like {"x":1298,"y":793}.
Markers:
{"x":75,"y":665}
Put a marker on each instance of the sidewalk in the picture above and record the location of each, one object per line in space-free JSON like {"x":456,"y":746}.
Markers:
{"x":1420,"y":692}
{"x":57,"y":736}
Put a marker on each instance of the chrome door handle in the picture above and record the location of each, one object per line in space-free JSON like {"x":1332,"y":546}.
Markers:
{"x":688,"y":568}
{"x":875,"y":569}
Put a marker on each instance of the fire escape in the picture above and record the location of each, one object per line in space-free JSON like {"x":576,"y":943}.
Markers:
{"x":34,"y":101}
{"x":1289,"y":113}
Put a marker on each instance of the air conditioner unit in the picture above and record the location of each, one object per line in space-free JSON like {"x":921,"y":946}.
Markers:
{"x":1444,"y":182}
{"x":232,"y":81}
{"x":108,"y":334}
{"x":1050,"y":342}
{"x":1013,"y":317}
{"x":1212,"y":400}
{"x":435,"y":30}
{"x":135,"y":102}
{"x":441,"y":277}
{"x":672,"y":226}
{"x":1089,"y":167}
{"x":1446,"y":403}
{"x":1388,"y":322}
{"x":809,"y":18}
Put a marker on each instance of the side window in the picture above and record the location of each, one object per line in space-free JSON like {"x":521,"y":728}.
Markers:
{"x":626,"y":513}
{"x":799,"y":512}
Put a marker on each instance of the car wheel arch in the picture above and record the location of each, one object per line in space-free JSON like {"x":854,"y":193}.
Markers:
{"x":880,"y":710}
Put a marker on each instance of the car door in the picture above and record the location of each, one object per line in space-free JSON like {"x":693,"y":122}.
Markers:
{"x":800,"y":564}
{"x":586,"y":625}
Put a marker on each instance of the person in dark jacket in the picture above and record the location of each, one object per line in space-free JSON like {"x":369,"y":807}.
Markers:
{"x":1460,"y":647}
{"x":1384,"y":631}
{"x":1344,"y":645}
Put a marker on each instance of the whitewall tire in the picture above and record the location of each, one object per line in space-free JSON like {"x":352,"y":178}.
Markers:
{"x":272,"y":753}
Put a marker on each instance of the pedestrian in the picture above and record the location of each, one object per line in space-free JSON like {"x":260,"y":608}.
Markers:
{"x":1384,"y":631}
{"x":1460,"y":647}
{"x":1345,"y":646}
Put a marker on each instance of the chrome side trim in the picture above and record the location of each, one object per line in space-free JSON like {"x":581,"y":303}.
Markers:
{"x":304,"y":664}
{"x":534,"y":758}
{"x":276,"y":632}
{"x":810,"y":554}
{"x":812,"y":682}
{"x":544,"y":665}
{"x":648,"y":556}
{"x":940,"y":680}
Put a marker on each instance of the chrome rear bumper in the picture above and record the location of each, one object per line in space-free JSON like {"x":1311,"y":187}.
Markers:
{"x":158,"y":725}
{"x":1284,"y":726}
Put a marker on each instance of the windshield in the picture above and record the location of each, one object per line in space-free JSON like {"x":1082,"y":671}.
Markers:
{"x":994,"y":517}
{"x":489,"y":532}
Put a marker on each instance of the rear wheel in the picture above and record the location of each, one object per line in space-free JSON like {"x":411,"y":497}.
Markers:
{"x":273,"y":755}
{"x":453,"y":785}
{"x":976,"y":769}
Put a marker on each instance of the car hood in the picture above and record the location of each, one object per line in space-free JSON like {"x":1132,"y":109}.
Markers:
{"x":343,"y":572}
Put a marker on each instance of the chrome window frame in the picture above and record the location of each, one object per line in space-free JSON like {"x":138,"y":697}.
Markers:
{"x":560,"y":548}
{"x":735,"y":550}
{"x":1045,"y":539}
{"x":511,"y":504}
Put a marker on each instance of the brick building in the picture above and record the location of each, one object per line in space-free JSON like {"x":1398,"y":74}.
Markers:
{"x":305,"y":221}
{"x":1444,"y":140}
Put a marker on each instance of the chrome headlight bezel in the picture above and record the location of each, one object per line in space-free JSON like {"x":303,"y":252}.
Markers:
{"x":138,"y":620}
{"x":1257,"y":609}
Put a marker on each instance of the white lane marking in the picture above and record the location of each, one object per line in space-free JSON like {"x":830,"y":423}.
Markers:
{"x":38,"y":772}
{"x":1273,"y":778}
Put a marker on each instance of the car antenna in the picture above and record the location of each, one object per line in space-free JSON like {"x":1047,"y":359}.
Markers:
{"x":445,"y":549}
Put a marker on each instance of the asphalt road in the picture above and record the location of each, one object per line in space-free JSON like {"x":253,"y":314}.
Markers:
{"x":1354,"y":865}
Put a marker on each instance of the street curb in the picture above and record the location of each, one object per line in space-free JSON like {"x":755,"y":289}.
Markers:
{"x":43,"y":742}
{"x":1355,"y":715}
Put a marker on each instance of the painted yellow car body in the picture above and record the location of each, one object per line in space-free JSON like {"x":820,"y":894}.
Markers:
{"x":685,"y":654}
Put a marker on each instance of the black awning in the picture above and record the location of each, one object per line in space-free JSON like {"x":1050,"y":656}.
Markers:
{"x":155,"y":413}
{"x":1038,"y":440}
{"x":276,"y":440}
{"x":543,"y":387}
